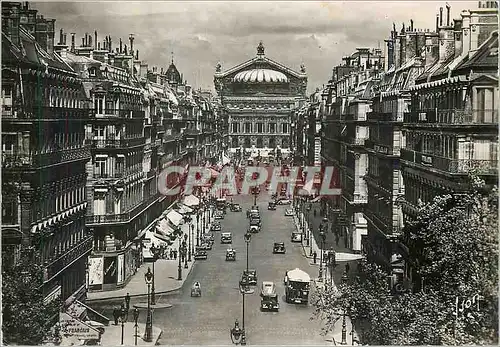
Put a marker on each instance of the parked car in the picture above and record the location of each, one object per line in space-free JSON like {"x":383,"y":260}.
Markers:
{"x":230,"y":254}
{"x":216,"y":227}
{"x":269,"y":297}
{"x":289,"y":212}
{"x":206,"y":246}
{"x":200,"y":254}
{"x":219,"y":215}
{"x":283,"y":202}
{"x":279,"y":247}
{"x":271,"y":206}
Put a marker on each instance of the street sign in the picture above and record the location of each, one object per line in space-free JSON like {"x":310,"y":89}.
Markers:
{"x":71,"y":326}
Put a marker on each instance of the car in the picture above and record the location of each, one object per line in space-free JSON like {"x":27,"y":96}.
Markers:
{"x":271,"y":206}
{"x":279,"y":248}
{"x":226,"y":238}
{"x":230,"y":254}
{"x":200,"y":254}
{"x":289,"y":212}
{"x":269,"y":297}
{"x":216,"y":227}
{"x":219,"y":215}
{"x":206,"y":246}
{"x":235,"y":208}
{"x":296,"y":237}
{"x":283,"y":202}
{"x":250,"y":276}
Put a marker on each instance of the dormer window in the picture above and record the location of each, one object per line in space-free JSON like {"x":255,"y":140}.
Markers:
{"x":92,"y":72}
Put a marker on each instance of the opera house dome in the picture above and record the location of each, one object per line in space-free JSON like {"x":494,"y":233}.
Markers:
{"x":260,"y":76}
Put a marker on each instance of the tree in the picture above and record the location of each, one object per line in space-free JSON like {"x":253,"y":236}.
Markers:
{"x":26,"y":318}
{"x":454,"y":244}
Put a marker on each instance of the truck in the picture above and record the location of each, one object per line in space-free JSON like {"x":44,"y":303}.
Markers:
{"x":297,"y":286}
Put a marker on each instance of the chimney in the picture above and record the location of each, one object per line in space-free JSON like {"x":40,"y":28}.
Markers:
{"x":437,"y":22}
{"x":125,"y":50}
{"x":466,"y":32}
{"x":446,"y":43}
{"x":161,"y":72}
{"x":86,"y":39}
{"x":411,"y":49}
{"x":137,"y":55}
{"x":110,"y":44}
{"x":440,"y":17}
{"x":431,"y":49}
{"x":411,"y":24}
{"x":83,"y":41}
{"x":121,"y":46}
{"x":64,"y":39}
{"x":98,"y":46}
{"x":457,"y":33}
{"x":61,"y":37}
{"x":73,"y":42}
{"x":95,"y":39}
{"x":131,"y":40}
{"x":90,"y":41}
{"x":448,"y":7}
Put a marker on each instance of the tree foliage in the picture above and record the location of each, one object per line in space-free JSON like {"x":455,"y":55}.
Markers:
{"x":26,"y":319}
{"x":454,"y":244}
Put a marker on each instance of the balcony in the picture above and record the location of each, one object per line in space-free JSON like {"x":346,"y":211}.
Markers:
{"x":383,"y":117}
{"x":454,"y":166}
{"x":48,"y":112}
{"x":452,"y":117}
{"x":117,"y":174}
{"x":66,"y":259}
{"x":13,"y":160}
{"x":137,"y":114}
{"x":354,"y":141}
{"x":121,"y":217}
{"x":118,"y":143}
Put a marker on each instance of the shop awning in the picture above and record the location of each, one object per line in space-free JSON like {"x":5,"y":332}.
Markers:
{"x":175,"y":218}
{"x":191,"y":200}
{"x":183,"y":209}
{"x":163,"y":228}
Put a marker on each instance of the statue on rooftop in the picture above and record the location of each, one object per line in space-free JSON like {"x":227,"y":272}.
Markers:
{"x":218,"y":67}
{"x":302,"y":68}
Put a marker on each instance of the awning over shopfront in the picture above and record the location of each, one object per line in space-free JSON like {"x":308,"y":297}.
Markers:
{"x":175,"y":218}
{"x":164,"y":231}
{"x":339,"y":256}
{"x":191,"y":200}
{"x":183,"y":209}
{"x":156,"y":240}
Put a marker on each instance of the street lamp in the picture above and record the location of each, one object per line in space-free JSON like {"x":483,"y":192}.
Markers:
{"x":323,"y":237}
{"x":148,"y":334}
{"x":136,"y":317}
{"x":189,"y":220}
{"x":198,"y":228}
{"x":179,"y":268}
{"x":309,"y":233}
{"x":192,"y":241}
{"x":248,"y":237}
{"x":344,"y":328}
{"x":185,"y":251}
{"x":155,"y":251}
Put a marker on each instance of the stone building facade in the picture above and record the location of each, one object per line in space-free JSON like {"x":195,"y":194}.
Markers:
{"x":260,"y":96}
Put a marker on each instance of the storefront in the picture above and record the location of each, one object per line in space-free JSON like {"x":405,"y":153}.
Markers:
{"x":111,"y":270}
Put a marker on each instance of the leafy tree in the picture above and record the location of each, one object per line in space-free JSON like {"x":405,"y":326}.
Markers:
{"x":26,"y":319}
{"x":454,"y":243}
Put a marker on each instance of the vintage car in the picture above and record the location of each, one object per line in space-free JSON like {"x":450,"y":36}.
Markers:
{"x":255,"y":226}
{"x":215,"y":227}
{"x":226,"y":237}
{"x":269,"y":297}
{"x":271,"y":206}
{"x":279,"y":248}
{"x":250,"y":276}
{"x":289,"y":212}
{"x":196,"y":289}
{"x":200,"y":254}
{"x":296,"y":236}
{"x":230,"y":254}
{"x":297,"y":286}
{"x":208,"y":237}
{"x":207,"y":246}
{"x":219,"y":215}
{"x":283,"y":202}
{"x":235,"y":208}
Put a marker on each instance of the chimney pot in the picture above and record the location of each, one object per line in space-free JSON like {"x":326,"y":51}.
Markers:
{"x":448,"y":14}
{"x":440,"y":16}
{"x":83,"y":41}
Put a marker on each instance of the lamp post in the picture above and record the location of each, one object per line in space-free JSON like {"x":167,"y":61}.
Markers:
{"x":255,"y":193}
{"x":248,"y":237}
{"x":148,"y":334}
{"x":123,"y":314}
{"x":189,"y":221}
{"x":185,"y":251}
{"x":179,"y":268}
{"x":309,"y":242}
{"x":323,"y":236}
{"x":192,"y":241}
{"x":136,"y":317}
{"x":156,"y":252}
{"x":344,"y":328}
{"x":198,"y":229}
{"x":237,"y":334}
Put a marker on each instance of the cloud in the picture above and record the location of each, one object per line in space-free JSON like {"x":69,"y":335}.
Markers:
{"x":202,"y":33}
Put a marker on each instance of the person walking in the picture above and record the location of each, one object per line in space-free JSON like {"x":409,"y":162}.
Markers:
{"x":116,"y":314}
{"x":315,"y":256}
{"x":127,"y":301}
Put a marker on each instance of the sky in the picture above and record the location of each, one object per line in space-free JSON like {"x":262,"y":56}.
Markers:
{"x":202,"y":33}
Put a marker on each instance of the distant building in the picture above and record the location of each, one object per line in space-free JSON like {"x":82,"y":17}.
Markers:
{"x":260,"y":96}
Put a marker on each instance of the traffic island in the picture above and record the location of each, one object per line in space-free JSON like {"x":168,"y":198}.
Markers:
{"x":144,"y":305}
{"x":112,"y":335}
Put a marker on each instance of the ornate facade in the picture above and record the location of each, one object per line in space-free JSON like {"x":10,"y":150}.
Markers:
{"x":260,"y":96}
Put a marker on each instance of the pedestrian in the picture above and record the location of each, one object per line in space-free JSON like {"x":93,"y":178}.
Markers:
{"x":116,"y":314}
{"x":171,"y":254}
{"x":315,"y":256}
{"x":127,"y":301}
{"x":175,"y":254}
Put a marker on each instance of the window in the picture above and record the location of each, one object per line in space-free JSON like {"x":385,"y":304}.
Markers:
{"x":99,"y":205}
{"x":248,"y":127}
{"x":100,"y":168}
{"x":98,"y":105}
{"x":9,"y":212}
{"x":285,"y":128}
{"x":235,"y":127}
{"x":7,"y":91}
{"x":272,"y":128}
{"x":260,"y":143}
{"x":99,"y":131}
{"x":260,"y":127}
{"x":8,"y":143}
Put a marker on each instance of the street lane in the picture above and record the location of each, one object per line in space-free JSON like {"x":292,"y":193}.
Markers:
{"x":207,"y":320}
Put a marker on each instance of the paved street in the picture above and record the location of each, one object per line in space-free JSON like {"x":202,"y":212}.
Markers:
{"x":207,"y":320}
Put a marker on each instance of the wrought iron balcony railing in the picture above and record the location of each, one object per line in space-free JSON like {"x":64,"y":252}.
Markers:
{"x":118,"y":143}
{"x":121,"y":217}
{"x":452,"y":116}
{"x":63,"y":261}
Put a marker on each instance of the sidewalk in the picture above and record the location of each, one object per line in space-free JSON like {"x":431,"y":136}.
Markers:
{"x":166,"y":272}
{"x":113,"y":333}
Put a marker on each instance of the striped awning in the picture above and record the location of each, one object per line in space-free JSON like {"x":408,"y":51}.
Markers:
{"x":441,"y":82}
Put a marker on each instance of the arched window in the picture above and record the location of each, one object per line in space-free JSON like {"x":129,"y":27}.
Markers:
{"x":234,"y":142}
{"x":247,"y":142}
{"x":259,"y":142}
{"x":272,"y":142}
